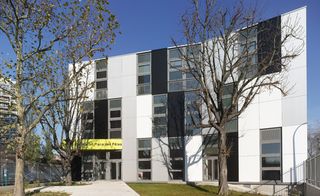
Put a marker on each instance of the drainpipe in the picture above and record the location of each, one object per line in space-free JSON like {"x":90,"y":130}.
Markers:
{"x":294,"y":154}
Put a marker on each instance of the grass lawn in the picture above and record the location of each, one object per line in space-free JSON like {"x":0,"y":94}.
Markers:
{"x":177,"y":189}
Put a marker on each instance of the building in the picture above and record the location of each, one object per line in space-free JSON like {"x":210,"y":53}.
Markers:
{"x":139,"y":102}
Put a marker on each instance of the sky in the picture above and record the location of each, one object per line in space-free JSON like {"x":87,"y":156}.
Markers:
{"x":151,"y":24}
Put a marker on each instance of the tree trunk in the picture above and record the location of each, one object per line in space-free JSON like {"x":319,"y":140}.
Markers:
{"x":68,"y":176}
{"x":19,"y":183}
{"x":223,"y":171}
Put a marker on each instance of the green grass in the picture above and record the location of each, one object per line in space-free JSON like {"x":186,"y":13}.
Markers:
{"x":158,"y":189}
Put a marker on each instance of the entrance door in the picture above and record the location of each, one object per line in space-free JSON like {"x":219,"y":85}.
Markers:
{"x":115,"y":170}
{"x":211,"y":168}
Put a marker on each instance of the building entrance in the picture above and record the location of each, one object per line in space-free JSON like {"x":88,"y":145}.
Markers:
{"x":115,"y":170}
{"x":211,"y":168}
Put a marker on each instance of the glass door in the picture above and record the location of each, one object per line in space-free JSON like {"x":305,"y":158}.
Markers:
{"x":115,"y":170}
{"x":211,"y":168}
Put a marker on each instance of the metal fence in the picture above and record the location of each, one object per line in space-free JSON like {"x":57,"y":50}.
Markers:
{"x":33,"y":172}
{"x":313,"y":171}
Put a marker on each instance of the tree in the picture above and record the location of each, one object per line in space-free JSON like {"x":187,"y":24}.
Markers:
{"x":42,"y":34}
{"x":228,"y":67}
{"x":64,"y":125}
{"x":314,"y":141}
{"x":46,"y":151}
{"x":33,"y":149}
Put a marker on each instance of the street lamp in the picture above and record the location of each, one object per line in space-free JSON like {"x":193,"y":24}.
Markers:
{"x":294,"y":154}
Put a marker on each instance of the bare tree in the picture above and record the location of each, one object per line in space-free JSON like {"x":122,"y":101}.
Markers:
{"x":42,"y":34}
{"x":314,"y":141}
{"x":64,"y":125}
{"x":230,"y":65}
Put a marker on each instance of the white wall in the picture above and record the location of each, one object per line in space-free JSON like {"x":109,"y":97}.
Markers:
{"x":272,"y":109}
{"x":144,"y":116}
{"x":193,"y":159}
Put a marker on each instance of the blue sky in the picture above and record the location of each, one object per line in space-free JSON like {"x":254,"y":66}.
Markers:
{"x":150,"y":24}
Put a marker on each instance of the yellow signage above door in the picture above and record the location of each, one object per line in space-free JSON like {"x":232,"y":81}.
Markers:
{"x":101,"y":144}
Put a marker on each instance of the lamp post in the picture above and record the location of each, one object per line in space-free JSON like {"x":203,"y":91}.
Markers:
{"x":294,"y":154}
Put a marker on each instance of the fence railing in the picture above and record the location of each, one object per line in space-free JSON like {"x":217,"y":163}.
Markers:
{"x":313,"y":171}
{"x":34,"y":172}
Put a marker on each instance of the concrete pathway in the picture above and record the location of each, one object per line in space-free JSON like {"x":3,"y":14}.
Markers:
{"x":96,"y":188}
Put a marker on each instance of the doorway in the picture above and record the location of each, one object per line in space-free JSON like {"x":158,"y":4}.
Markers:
{"x":115,"y":170}
{"x":211,"y":168}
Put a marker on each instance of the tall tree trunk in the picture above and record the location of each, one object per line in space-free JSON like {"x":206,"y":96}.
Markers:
{"x":223,"y":171}
{"x":19,"y":183}
{"x":68,"y":175}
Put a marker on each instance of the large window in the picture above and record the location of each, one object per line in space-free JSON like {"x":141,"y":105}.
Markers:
{"x":115,"y":118}
{"x":101,"y":79}
{"x":144,"y":73}
{"x":248,"y":51}
{"x":178,"y":75}
{"x":192,"y":113}
{"x":159,"y":116}
{"x":176,"y":151}
{"x":271,"y":154}
{"x":144,"y":159}
{"x":87,"y":120}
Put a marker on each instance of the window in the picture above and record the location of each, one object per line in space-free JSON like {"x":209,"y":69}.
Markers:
{"x":159,"y":116}
{"x":179,"y":78}
{"x":192,"y":113}
{"x":115,"y":118}
{"x":144,"y":159}
{"x":101,"y":85}
{"x":144,"y":73}
{"x":101,"y":74}
{"x":271,"y":154}
{"x":176,"y":159}
{"x":248,"y":51}
{"x":101,"y":64}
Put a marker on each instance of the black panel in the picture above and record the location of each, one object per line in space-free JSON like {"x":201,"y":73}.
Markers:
{"x":175,"y":114}
{"x":101,"y":119}
{"x":159,"y":71}
{"x":76,"y":168}
{"x":269,"y":41}
{"x":233,"y":160}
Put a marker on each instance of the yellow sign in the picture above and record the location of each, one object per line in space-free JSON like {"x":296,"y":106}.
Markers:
{"x":101,"y":144}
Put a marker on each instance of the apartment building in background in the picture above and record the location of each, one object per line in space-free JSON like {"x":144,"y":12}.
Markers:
{"x":142,"y":130}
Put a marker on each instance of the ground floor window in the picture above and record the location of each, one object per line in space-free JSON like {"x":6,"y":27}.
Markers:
{"x":271,"y":163}
{"x":144,"y":159}
{"x":176,"y":158}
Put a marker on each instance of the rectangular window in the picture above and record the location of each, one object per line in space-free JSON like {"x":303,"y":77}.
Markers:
{"x":101,"y":85}
{"x":144,"y":159}
{"x":179,"y":78}
{"x":159,"y":128}
{"x":144,"y":73}
{"x":176,"y":158}
{"x":114,"y":124}
{"x":101,"y":74}
{"x":271,"y":153}
{"x":101,"y":64}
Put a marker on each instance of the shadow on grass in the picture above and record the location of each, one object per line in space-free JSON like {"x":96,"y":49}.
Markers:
{"x":198,"y":187}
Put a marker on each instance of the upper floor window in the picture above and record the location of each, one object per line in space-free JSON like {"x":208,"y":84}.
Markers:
{"x":144,"y":73}
{"x":179,"y":61}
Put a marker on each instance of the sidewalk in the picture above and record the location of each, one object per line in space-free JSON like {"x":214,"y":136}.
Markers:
{"x":96,"y":188}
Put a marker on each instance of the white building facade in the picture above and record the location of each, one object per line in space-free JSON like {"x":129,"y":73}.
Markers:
{"x":140,"y":100}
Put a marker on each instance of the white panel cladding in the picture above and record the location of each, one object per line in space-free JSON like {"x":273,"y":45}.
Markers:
{"x":160,"y":152}
{"x":298,"y":19}
{"x":193,"y":160}
{"x":294,"y":111}
{"x":249,"y":119}
{"x":270,"y":114}
{"x":300,"y":141}
{"x":122,"y":76}
{"x":129,"y":135}
{"x":249,"y":155}
{"x":144,"y":116}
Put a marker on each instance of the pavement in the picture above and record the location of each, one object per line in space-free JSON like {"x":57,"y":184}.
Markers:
{"x":96,"y":188}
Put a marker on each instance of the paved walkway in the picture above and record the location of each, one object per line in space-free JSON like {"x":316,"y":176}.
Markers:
{"x":96,"y":188}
